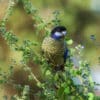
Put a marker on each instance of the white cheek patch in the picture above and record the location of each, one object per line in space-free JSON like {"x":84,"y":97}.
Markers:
{"x":58,"y":34}
{"x":64,"y":32}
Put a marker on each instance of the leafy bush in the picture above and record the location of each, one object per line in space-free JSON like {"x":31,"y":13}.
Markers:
{"x":75,"y":83}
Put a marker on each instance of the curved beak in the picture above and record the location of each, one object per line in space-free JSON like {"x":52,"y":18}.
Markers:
{"x":64,"y":33}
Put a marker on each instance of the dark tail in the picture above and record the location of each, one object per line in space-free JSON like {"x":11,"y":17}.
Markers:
{"x":59,"y":68}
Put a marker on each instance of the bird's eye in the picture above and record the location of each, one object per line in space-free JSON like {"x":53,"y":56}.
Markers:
{"x":64,"y":32}
{"x":58,"y":34}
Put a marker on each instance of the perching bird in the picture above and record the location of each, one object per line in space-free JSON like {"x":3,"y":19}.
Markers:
{"x":55,"y":49}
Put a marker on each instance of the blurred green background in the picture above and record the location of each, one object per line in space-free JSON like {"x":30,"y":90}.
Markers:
{"x":81,"y":18}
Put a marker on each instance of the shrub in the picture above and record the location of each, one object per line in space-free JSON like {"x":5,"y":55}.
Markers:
{"x":75,"y":83}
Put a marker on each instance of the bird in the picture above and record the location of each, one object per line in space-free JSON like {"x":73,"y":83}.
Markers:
{"x":54,"y":48}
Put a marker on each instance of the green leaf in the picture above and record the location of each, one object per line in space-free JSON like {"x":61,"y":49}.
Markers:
{"x":61,"y":92}
{"x":30,"y":77}
{"x":1,"y":81}
{"x":91,"y":96}
{"x":70,"y":42}
{"x":48,"y":72}
{"x":5,"y":97}
{"x":67,"y":90}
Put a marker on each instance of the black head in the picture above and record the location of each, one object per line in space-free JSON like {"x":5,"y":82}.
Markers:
{"x":58,"y":32}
